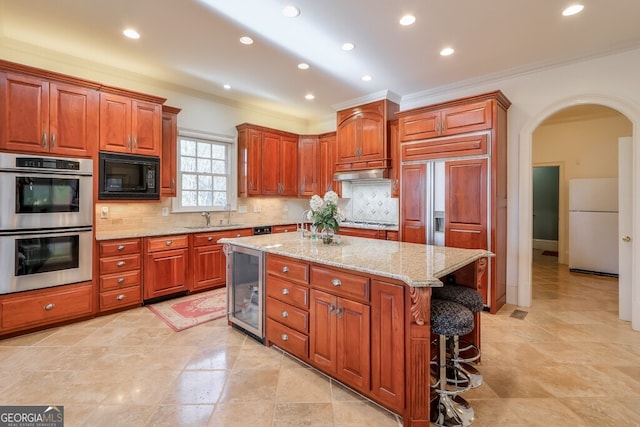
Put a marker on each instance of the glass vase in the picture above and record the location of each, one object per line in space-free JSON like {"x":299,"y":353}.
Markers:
{"x":327,"y":236}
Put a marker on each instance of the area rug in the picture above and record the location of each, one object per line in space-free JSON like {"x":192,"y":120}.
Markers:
{"x":192,"y":310}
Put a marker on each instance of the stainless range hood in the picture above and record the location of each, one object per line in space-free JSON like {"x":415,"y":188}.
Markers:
{"x":369,"y":174}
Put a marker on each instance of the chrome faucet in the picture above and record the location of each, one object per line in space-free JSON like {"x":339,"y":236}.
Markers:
{"x":228,"y":208}
{"x":207,"y":218}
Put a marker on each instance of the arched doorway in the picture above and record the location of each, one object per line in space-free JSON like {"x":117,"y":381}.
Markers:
{"x":525,"y":193}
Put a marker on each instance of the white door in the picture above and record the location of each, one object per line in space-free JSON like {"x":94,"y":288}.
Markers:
{"x":625,"y":215}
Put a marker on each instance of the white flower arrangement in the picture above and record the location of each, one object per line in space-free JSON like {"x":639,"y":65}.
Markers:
{"x":325,"y":213}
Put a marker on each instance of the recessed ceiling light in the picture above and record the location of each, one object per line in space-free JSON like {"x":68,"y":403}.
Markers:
{"x":446,"y":51}
{"x":131,"y":33}
{"x":303,"y":66}
{"x":309,"y":97}
{"x":227,"y":87}
{"x":348,"y":46}
{"x":290,"y":11}
{"x":572,"y":10}
{"x":367,"y":78}
{"x":246,"y":40}
{"x":407,"y":20}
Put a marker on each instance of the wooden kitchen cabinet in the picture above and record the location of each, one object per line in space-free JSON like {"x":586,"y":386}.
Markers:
{"x":166,"y":265}
{"x":327,"y":157}
{"x":339,"y":334}
{"x":267,"y":162}
{"x":168,"y":159}
{"x":279,"y":165}
{"x":41,"y":115}
{"x":309,"y":165}
{"x":413,"y":203}
{"x":469,"y":136}
{"x":120,"y":269}
{"x":129,"y":124}
{"x":208,"y":260}
{"x":442,"y":120}
{"x":362,"y":136}
{"x":288,"y":228}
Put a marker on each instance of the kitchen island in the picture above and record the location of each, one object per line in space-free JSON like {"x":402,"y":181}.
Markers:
{"x":359,"y":311}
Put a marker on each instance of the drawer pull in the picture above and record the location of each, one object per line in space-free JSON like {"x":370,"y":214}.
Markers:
{"x":238,"y":235}
{"x":168,"y":243}
{"x":121,"y":280}
{"x":284,"y":337}
{"x":285,"y":314}
{"x":209,"y":238}
{"x":120,"y":297}
{"x":336,"y":282}
{"x":285,"y":269}
{"x":285,"y":291}
{"x":49,"y":306}
{"x":121,"y":247}
{"x":121,"y":263}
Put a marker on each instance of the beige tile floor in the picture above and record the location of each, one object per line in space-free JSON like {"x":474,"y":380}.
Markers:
{"x":569,"y":362}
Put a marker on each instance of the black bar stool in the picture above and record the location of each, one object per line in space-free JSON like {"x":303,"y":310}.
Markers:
{"x":462,"y":356}
{"x":449,"y":320}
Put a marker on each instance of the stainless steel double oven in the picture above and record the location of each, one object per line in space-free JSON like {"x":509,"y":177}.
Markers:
{"x":46,"y":221}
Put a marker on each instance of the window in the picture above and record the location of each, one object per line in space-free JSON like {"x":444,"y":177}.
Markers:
{"x":204,"y":173}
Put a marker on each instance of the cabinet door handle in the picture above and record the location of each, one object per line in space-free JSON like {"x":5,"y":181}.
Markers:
{"x":250,"y":185}
{"x":332,"y":308}
{"x":121,"y":280}
{"x":336,"y":282}
{"x":173,"y":183}
{"x":285,"y":314}
{"x":168,"y":242}
{"x":120,"y":247}
{"x":285,"y":291}
{"x":120,"y":297}
{"x":339,"y":312}
{"x":285,"y":269}
{"x":209,"y":238}
{"x":121,"y":263}
{"x":53,"y":140}
{"x":129,"y":141}
{"x":49,"y":307}
{"x":135,"y":142}
{"x":284,"y":337}
{"x":44,"y":140}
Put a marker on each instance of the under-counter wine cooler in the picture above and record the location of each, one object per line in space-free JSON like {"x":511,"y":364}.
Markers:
{"x":245,"y":289}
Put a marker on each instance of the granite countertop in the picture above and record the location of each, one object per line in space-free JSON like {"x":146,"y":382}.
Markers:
{"x":415,"y":264}
{"x":154,"y":230}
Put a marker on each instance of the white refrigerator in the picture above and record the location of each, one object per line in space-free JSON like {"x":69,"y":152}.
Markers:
{"x":593,"y":225}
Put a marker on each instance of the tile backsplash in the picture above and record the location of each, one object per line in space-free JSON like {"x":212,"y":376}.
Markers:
{"x":370,"y":201}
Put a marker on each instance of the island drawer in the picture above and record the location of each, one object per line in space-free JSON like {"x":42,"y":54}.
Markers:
{"x":287,"y":268}
{"x":288,"y":339}
{"x":288,"y":315}
{"x":155,"y":244}
{"x":119,"y":247}
{"x":118,"y":264}
{"x":340,"y":283}
{"x":288,"y":292}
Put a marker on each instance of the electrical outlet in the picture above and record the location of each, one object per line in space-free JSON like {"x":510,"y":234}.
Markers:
{"x":256,"y":208}
{"x":242,"y":209}
{"x":165,"y":211}
{"x":104,"y":212}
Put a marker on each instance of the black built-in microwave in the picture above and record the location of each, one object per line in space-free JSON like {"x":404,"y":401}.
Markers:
{"x":128,"y":177}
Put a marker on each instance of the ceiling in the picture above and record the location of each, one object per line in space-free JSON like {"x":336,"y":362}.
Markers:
{"x":195,"y":43}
